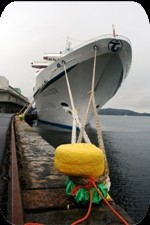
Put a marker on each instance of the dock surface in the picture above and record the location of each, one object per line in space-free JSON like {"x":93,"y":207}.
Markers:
{"x":42,"y":188}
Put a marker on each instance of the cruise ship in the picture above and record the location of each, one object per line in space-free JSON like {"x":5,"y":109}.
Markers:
{"x":65,"y":82}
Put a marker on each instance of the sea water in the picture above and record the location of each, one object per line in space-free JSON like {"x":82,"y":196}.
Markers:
{"x":127,"y":146}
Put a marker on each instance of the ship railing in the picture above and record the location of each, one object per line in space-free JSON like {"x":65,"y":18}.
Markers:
{"x":98,"y":38}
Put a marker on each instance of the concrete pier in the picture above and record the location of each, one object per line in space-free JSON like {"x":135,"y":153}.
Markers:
{"x":43,"y":188}
{"x":11,"y":99}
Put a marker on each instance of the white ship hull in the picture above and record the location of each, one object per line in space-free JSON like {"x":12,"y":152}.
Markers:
{"x":113,"y":60}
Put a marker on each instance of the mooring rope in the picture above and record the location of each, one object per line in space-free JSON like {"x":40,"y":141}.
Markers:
{"x":73,"y":139}
{"x":99,"y":133}
{"x":92,"y":100}
{"x":82,"y":130}
{"x":98,"y":128}
{"x":76,"y":120}
{"x":75,"y":116}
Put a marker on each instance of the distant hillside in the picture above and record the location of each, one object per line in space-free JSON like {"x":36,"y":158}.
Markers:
{"x":121,"y":112}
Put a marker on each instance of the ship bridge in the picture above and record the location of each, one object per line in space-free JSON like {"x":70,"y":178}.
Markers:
{"x":11,"y":99}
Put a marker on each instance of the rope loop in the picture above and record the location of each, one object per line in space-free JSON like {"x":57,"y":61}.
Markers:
{"x":95,"y":47}
{"x":63,"y":62}
{"x":87,"y":186}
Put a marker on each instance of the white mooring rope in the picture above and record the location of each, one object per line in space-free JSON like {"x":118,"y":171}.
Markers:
{"x":75,"y":116}
{"x":96,"y":116}
{"x":76,"y":120}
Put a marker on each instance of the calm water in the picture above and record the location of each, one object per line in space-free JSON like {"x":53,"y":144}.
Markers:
{"x":127,"y":145}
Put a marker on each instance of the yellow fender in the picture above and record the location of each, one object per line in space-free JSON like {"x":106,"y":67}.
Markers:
{"x":79,"y":159}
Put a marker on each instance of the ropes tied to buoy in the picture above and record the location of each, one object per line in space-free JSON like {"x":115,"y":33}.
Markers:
{"x":79,"y":183}
{"x":76,"y":120}
{"x":89,"y":186}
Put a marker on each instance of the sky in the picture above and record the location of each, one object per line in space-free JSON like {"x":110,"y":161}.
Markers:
{"x":28,"y":29}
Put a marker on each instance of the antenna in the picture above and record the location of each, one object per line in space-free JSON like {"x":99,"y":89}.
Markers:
{"x":68,"y":44}
{"x":114,"y":33}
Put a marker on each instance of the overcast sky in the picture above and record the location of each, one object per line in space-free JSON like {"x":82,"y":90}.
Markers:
{"x":29,"y":29}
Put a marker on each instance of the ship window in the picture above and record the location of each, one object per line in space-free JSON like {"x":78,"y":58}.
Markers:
{"x":66,"y":107}
{"x":64,"y":104}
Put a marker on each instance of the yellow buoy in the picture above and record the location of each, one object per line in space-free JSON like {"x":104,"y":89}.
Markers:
{"x":79,"y":159}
